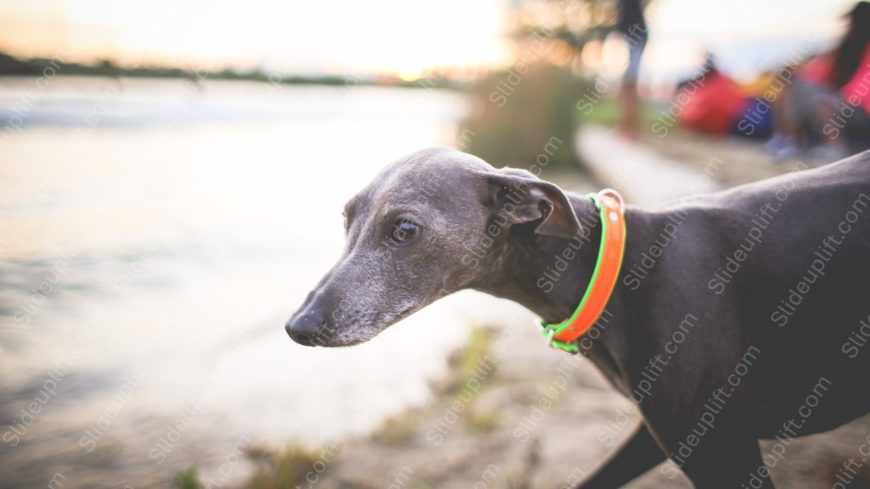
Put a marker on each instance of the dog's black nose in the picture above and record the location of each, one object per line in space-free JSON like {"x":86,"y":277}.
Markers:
{"x":306,"y":327}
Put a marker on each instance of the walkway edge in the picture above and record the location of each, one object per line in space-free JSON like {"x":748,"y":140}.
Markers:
{"x":645,"y":177}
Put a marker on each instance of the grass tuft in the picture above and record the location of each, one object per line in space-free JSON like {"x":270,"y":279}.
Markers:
{"x":397,"y":430}
{"x":478,"y":420}
{"x":472,"y":362}
{"x":187,"y":479}
{"x":288,"y":468}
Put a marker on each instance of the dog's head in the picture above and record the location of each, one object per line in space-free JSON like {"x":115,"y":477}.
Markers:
{"x":430,"y":224}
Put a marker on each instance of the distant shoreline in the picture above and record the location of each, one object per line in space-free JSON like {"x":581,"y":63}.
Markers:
{"x":11,"y":66}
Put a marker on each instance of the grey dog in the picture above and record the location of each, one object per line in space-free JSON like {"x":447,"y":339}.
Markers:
{"x":750,"y":305}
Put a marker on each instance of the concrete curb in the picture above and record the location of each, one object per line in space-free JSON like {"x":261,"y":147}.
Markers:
{"x":644,"y":176}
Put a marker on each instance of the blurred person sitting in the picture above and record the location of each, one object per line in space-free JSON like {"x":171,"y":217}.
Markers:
{"x":826,"y":109}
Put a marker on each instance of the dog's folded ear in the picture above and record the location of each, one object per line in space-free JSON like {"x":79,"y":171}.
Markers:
{"x":517,"y":197}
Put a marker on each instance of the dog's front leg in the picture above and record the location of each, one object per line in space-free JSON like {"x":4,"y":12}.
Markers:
{"x":637,"y":455}
{"x":729,"y":462}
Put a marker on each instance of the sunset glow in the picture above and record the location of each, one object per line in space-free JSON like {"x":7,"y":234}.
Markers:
{"x":382,"y":35}
{"x":385,"y":36}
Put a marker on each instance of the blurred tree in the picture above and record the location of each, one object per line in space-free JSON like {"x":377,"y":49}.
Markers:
{"x":572,"y":22}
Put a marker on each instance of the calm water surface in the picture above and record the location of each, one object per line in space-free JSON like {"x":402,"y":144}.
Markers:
{"x":154,"y":238}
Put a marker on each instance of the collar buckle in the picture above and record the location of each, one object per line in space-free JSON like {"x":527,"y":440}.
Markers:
{"x":612,"y":193}
{"x":550,"y":332}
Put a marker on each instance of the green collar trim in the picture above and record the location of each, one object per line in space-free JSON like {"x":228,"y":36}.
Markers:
{"x":552,"y":330}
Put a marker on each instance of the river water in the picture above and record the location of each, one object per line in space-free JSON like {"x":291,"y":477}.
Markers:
{"x":155,"y":235}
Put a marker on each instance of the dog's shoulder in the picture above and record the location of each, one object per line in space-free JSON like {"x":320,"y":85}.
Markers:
{"x":847,"y":177}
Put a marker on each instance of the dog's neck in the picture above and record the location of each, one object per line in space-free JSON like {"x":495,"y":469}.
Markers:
{"x":547,"y":274}
{"x":534,"y":272}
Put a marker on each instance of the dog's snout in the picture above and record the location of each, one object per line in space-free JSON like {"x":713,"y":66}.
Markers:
{"x":306,"y":326}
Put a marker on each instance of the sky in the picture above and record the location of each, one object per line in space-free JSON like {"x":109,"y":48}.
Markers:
{"x":338,"y":35}
{"x":403,"y":36}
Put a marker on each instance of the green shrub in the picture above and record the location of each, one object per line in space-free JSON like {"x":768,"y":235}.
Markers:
{"x":524,"y":115}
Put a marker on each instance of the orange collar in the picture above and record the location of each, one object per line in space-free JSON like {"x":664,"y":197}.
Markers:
{"x":604,"y":276}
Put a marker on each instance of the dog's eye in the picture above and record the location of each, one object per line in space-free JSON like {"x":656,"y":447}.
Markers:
{"x":404,"y":230}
